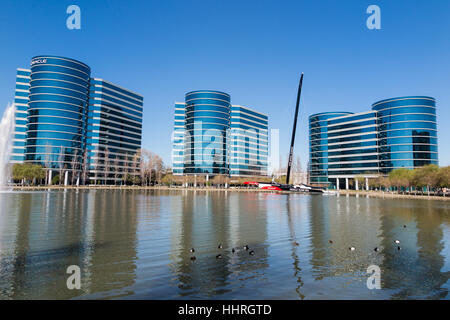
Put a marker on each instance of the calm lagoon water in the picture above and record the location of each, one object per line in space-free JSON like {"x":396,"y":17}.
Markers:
{"x":135,"y":244}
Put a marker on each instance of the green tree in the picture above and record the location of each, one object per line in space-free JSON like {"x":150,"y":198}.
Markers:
{"x":384,"y":182}
{"x":361,"y":181}
{"x":38,"y":172}
{"x":167,"y":179}
{"x":55,"y":180}
{"x":426,"y":176}
{"x":18,"y":172}
{"x":401,"y":177}
{"x":444,"y":177}
{"x":28,"y":173}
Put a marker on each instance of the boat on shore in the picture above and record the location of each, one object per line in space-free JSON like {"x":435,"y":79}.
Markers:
{"x":287,"y":187}
{"x":306,"y":188}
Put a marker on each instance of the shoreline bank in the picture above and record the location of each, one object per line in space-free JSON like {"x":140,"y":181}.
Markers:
{"x":40,"y":188}
{"x":375,"y":194}
{"x":390,"y":195}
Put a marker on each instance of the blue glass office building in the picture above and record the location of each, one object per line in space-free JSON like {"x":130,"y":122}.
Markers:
{"x":57,"y":112}
{"x":178,"y":139}
{"x":71,"y":116}
{"x":407,"y":132}
{"x":318,"y":145}
{"x":212,"y":137}
{"x":396,"y":133}
{"x":114,"y":132}
{"x":21,"y":99}
{"x":207,"y":120}
{"x":248,"y":143}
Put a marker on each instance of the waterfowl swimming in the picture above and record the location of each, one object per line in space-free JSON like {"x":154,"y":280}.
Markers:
{"x":397,"y":241}
{"x":232,"y":250}
{"x":219,"y":256}
{"x":220,"y":246}
{"x":251,"y":252}
{"x":330,"y":241}
{"x":352,"y":248}
{"x":376,"y":249}
{"x":193,"y":258}
{"x":296,"y":244}
{"x":398,"y":248}
{"x":404,"y":226}
{"x":246,"y":247}
{"x":192,"y":250}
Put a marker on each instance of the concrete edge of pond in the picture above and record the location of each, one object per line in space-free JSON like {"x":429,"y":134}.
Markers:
{"x":391,"y":195}
{"x":377,"y":194}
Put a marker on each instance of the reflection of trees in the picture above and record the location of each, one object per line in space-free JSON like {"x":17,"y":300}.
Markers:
{"x":346,"y":221}
{"x":415,"y":271}
{"x":320,"y":234}
{"x":200,"y":213}
{"x":113,"y":259}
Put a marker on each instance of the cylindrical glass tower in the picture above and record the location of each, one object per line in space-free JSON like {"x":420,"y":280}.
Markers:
{"x":407,"y":132}
{"x":207,"y":121}
{"x":57,"y":112}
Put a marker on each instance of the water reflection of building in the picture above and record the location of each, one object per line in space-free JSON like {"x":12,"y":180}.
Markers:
{"x":347,"y":222}
{"x":14,"y":221}
{"x":208,"y":219}
{"x":112,"y":263}
{"x":416,"y":270}
{"x":94,"y":230}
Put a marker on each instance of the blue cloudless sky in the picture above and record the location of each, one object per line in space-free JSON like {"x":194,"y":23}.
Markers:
{"x":254,"y":50}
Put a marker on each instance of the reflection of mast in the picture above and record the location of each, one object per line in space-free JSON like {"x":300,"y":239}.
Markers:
{"x":297,"y":268}
{"x":291,"y":150}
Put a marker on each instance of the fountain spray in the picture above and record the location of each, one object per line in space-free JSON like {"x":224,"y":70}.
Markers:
{"x":7,"y":125}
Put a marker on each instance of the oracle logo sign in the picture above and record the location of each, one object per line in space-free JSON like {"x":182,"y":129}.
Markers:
{"x":35,"y":61}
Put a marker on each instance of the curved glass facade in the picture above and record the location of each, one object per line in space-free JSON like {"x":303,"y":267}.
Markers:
{"x":83,"y":128}
{"x":211,"y":137}
{"x":407,"y":132}
{"x":57,"y":110}
{"x":397,"y":133}
{"x":207,"y":120}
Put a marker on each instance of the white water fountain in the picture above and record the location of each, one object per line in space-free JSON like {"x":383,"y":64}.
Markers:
{"x":6,"y":136}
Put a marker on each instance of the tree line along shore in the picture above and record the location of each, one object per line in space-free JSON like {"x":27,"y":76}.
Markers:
{"x":427,"y":180}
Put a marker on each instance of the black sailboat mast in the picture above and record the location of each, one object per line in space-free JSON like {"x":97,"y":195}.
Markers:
{"x":291,"y":150}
